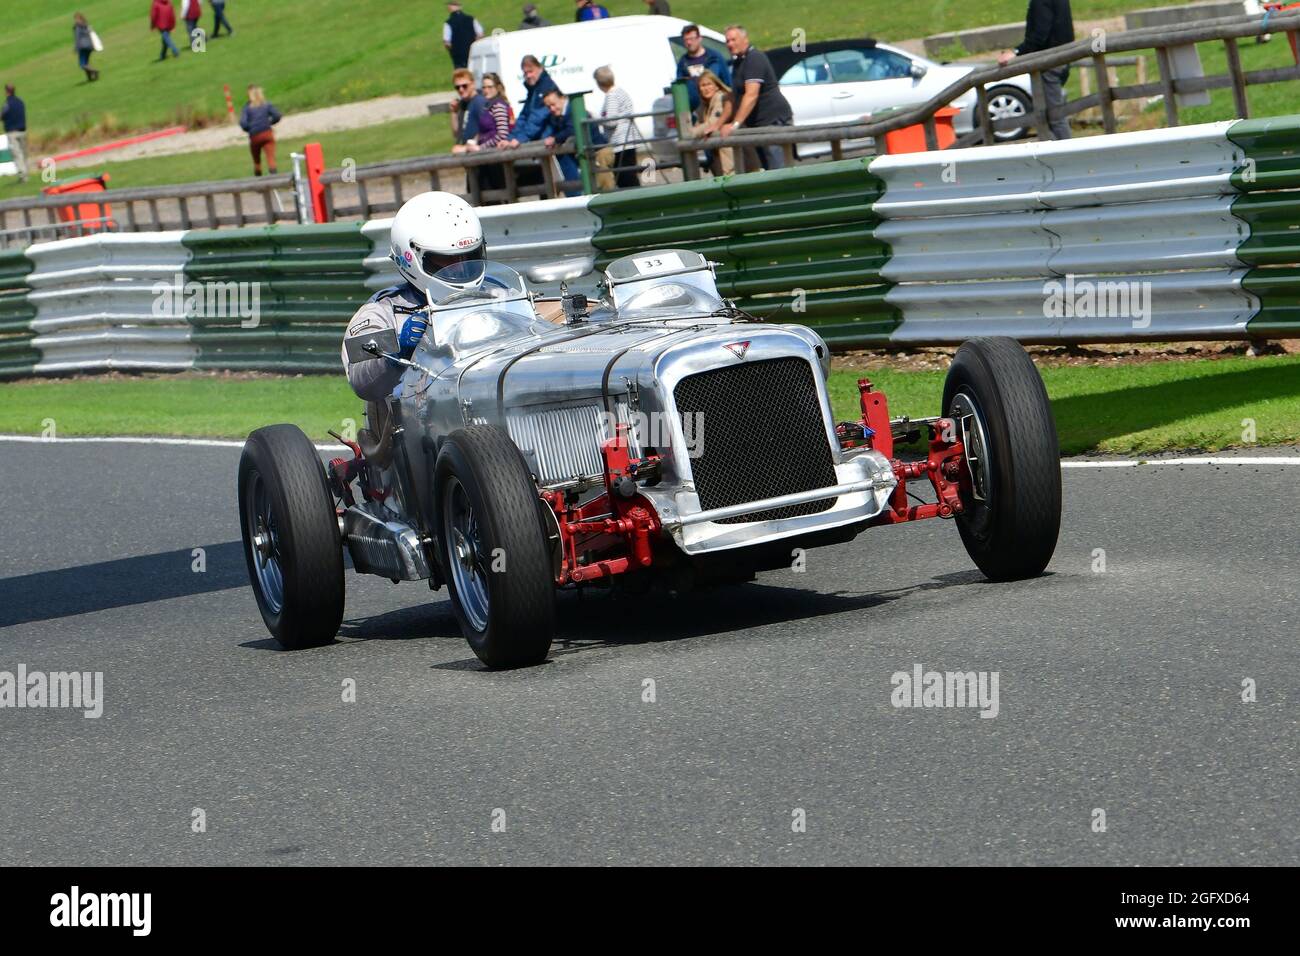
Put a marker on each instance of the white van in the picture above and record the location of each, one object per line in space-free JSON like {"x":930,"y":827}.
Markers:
{"x":641,"y":50}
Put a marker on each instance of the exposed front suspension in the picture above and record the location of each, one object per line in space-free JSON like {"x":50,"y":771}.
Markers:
{"x":944,"y":466}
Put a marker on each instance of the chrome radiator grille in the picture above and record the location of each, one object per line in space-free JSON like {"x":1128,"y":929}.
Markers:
{"x":763,"y":436}
{"x":564,"y":443}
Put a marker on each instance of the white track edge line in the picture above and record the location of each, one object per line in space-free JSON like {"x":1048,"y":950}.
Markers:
{"x":142,"y":440}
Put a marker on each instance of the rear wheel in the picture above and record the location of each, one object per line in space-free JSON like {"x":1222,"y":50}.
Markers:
{"x":494,"y":549}
{"x":1012,"y":501}
{"x":291,"y":537}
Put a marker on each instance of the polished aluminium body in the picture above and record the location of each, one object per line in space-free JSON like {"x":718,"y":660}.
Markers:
{"x":559,"y":390}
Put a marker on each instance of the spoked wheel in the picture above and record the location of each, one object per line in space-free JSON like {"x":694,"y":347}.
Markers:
{"x":1011,"y":498}
{"x":291,"y":537}
{"x":264,"y":542}
{"x":469,"y":566}
{"x":494,"y":548}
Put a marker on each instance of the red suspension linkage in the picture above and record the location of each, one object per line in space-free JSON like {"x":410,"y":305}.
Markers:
{"x":944,"y":464}
{"x":619,"y":518}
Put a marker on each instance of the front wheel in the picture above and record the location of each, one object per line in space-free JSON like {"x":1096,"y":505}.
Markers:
{"x":495,"y":553}
{"x":291,"y":537}
{"x":1011,"y":499}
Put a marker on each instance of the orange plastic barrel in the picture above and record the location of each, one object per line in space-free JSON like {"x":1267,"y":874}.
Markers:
{"x":911,"y":139}
{"x":99,"y":214}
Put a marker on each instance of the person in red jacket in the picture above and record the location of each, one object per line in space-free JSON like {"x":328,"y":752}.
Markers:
{"x":191,"y":11}
{"x":162,"y":17}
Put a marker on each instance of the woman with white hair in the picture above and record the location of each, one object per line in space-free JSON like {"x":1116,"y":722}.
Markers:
{"x":621,"y":130}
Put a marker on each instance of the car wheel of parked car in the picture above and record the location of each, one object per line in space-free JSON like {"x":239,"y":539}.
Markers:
{"x":1007,"y":102}
{"x":291,"y":537}
{"x":1012,"y":502}
{"x":495,"y":554}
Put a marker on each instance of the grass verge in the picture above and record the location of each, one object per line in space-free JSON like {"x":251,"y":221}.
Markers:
{"x":1127,"y":409}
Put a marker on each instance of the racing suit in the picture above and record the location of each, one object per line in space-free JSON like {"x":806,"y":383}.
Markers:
{"x":374,"y":379}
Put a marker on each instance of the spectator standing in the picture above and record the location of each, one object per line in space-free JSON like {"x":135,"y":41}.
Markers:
{"x":533,"y":115}
{"x":191,"y":12}
{"x":659,"y":8}
{"x":459,"y":33}
{"x":621,"y":130}
{"x":492,"y":129}
{"x":162,"y":17}
{"x":558,"y":131}
{"x":589,"y":11}
{"x":14,"y":116}
{"x":696,"y":60}
{"x":257,"y":119}
{"x":219,"y":19}
{"x":761,"y":102}
{"x":532,"y":19}
{"x":83,"y":41}
{"x":1048,"y":23}
{"x":465,"y":108}
{"x":714,"y":113}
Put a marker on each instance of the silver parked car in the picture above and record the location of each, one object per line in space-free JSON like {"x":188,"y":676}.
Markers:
{"x":653,"y":435}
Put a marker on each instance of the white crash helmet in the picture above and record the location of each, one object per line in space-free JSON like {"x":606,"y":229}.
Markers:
{"x":432,"y":231}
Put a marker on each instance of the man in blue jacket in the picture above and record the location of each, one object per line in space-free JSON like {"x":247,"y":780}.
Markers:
{"x":15,"y":123}
{"x":586,"y":10}
{"x":534,"y":114}
{"x":696,"y":60}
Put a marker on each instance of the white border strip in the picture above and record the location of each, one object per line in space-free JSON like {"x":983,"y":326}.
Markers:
{"x":228,"y":443}
{"x":144,"y":440}
{"x":1133,"y":463}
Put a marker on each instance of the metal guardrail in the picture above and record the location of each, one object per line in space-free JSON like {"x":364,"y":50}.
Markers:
{"x":1197,"y":222}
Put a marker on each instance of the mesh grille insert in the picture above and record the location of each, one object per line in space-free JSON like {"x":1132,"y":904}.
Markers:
{"x":763,"y":436}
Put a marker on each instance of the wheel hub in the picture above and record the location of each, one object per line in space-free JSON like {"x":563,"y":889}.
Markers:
{"x":973,"y":439}
{"x":263,"y":542}
{"x":464,"y":549}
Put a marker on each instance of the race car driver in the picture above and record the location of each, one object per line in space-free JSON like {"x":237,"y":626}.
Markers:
{"x":430,"y":232}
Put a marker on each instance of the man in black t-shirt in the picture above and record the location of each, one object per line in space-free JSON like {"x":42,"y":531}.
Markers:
{"x":1048,"y":23}
{"x":761,"y":102}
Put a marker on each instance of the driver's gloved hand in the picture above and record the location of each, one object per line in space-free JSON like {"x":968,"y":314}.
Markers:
{"x":413,"y":330}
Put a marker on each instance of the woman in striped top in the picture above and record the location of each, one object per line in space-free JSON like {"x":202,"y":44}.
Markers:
{"x":623,"y":133}
{"x":493,"y":122}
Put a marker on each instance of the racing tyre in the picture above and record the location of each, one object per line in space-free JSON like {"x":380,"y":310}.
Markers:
{"x":1012,"y":502}
{"x":291,"y":537}
{"x":494,"y":550}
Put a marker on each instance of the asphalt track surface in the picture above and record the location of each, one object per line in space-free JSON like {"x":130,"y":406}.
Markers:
{"x":1118,"y":690}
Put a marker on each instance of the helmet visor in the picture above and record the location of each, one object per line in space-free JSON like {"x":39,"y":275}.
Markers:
{"x":435,"y":262}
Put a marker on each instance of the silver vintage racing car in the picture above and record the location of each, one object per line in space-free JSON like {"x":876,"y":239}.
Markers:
{"x":653,"y":434}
